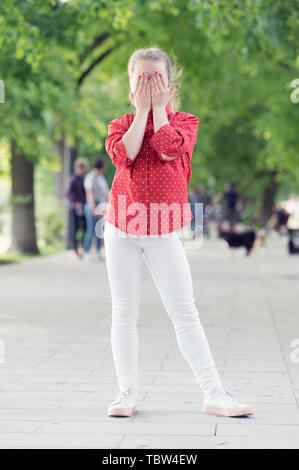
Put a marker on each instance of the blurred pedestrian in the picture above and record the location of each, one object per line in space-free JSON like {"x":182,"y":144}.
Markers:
{"x":278,"y":220}
{"x":231,"y":197}
{"x":76,"y":196}
{"x":97,"y":191}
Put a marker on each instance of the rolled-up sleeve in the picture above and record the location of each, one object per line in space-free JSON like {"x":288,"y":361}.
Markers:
{"x":176,"y":138}
{"x":114,"y":144}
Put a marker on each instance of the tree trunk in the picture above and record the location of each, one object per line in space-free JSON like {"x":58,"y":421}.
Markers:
{"x":269,"y":197}
{"x":69,"y":158}
{"x":58,"y":176}
{"x":23,"y":217}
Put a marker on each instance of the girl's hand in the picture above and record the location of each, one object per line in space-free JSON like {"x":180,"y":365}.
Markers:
{"x":142,"y":94}
{"x":160,"y":92}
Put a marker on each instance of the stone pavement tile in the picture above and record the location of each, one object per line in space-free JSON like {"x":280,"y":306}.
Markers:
{"x":107,"y":382}
{"x":175,"y":354}
{"x":248,"y":345}
{"x":257,"y":386}
{"x":173,"y":397}
{"x":95,"y":414}
{"x":98,"y":414}
{"x":8,"y":378}
{"x":122,"y":426}
{"x":145,"y":364}
{"x":245,"y":396}
{"x":18,"y":426}
{"x":70,"y":364}
{"x":167,"y":442}
{"x":155,"y":412}
{"x":78,"y":405}
{"x":251,"y":345}
{"x":143,"y":367}
{"x":245,"y":366}
{"x":41,"y":387}
{"x":143,"y":405}
{"x":200,"y":442}
{"x":144,"y":388}
{"x":251,"y":378}
{"x":170,"y":373}
{"x":267,"y":430}
{"x":294,"y":381}
{"x":175,"y":380}
{"x":55,"y":379}
{"x":258,"y":377}
{"x":59,"y":441}
{"x":264,"y":413}
{"x":63,"y":372}
{"x":154,"y":415}
{"x":184,"y":366}
{"x":27,"y":346}
{"x":180,"y":360}
{"x":269,"y":413}
{"x":58,"y":395}
{"x":32,"y":404}
{"x":265,"y":355}
{"x":21,"y":362}
{"x":253,"y":397}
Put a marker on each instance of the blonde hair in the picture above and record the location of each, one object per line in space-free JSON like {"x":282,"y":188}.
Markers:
{"x":174,"y":71}
{"x":81,"y":162}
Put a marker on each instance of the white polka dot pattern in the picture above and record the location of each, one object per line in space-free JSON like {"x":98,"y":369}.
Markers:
{"x":149,"y":179}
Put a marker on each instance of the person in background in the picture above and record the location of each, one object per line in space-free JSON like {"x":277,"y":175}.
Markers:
{"x":97,"y":191}
{"x":76,"y":196}
{"x":278,"y":219}
{"x":231,"y":198}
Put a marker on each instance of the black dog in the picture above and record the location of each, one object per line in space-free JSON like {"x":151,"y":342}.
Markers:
{"x":237,"y":240}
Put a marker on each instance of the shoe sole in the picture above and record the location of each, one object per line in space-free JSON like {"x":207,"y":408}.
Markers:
{"x":228,"y":412}
{"x":122,"y":411}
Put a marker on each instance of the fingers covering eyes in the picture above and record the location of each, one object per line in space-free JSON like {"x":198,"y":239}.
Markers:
{"x":154,"y":85}
{"x":160,"y":82}
{"x":137,"y":84}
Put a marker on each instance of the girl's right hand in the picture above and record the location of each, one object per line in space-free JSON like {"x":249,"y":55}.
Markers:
{"x":142,"y":95}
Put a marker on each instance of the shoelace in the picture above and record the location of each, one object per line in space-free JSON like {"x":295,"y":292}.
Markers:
{"x":121,"y":396}
{"x":229,"y":395}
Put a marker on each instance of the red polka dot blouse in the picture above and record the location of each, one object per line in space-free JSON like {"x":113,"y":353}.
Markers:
{"x":149,"y":194}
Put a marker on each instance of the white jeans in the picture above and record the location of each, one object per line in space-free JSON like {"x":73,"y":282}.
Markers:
{"x":168,"y":264}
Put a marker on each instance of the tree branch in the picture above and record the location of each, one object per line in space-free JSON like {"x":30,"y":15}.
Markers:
{"x":97,"y":42}
{"x":92,"y":66}
{"x":284,"y":65}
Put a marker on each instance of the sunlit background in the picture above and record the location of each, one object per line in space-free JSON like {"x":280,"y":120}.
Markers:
{"x":64,"y":68}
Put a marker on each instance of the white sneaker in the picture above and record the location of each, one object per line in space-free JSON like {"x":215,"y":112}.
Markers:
{"x":101,"y":255}
{"x":223,"y":403}
{"x":86,"y":257}
{"x":125,"y":404}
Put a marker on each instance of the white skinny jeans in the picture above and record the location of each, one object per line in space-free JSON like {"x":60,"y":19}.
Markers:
{"x":168,"y":264}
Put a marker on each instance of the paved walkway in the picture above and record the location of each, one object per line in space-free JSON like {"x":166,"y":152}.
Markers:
{"x":58,"y":377}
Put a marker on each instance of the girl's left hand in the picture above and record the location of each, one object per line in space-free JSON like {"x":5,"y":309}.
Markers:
{"x":160,"y":92}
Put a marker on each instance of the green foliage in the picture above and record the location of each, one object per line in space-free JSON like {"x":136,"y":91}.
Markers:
{"x":238,"y":56}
